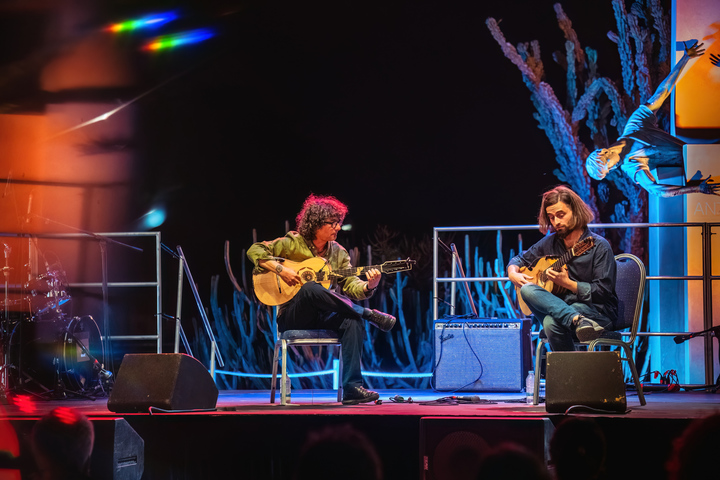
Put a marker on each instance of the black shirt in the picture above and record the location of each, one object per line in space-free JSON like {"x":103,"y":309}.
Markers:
{"x":594,"y":271}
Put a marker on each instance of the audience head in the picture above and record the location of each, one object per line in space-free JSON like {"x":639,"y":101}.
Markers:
{"x":338,"y":451}
{"x":62,"y":442}
{"x":510,"y":461}
{"x":458,"y":455}
{"x":694,"y":451}
{"x":578,"y":449}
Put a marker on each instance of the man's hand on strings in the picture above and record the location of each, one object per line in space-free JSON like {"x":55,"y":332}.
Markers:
{"x":518,"y":279}
{"x":561,"y":278}
{"x":290,"y":276}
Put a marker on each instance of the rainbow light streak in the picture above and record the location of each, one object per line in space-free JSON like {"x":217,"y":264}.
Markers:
{"x":150,"y":21}
{"x":179,"y":39}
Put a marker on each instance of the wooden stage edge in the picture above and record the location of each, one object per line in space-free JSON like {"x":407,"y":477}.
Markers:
{"x":257,"y":440}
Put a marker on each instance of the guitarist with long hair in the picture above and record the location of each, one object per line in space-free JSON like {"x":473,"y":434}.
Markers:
{"x":577,"y":299}
{"x":314,"y":306}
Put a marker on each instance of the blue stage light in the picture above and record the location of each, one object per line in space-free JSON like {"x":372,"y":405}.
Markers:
{"x":154,"y":218}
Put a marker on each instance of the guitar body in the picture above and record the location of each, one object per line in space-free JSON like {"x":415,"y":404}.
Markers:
{"x":537,"y":272}
{"x":272,"y":290}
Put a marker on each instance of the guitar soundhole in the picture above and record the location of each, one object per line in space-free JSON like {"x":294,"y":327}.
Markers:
{"x":307,"y":276}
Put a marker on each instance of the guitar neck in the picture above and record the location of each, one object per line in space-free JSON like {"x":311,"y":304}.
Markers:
{"x":564,"y":259}
{"x":581,"y":247}
{"x":353,"y":272}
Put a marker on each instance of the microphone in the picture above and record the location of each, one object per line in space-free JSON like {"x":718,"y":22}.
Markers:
{"x":471,"y":399}
{"x":7,"y":250}
{"x":681,"y":338}
{"x":106,"y":375}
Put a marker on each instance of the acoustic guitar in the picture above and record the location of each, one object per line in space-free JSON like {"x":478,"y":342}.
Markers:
{"x":538,"y":271}
{"x":271,"y":290}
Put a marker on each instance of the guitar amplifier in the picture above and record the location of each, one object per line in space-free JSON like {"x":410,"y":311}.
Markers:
{"x":481,"y":355}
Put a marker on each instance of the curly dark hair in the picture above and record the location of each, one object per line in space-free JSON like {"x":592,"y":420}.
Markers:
{"x":317,"y":210}
{"x":582,"y":215}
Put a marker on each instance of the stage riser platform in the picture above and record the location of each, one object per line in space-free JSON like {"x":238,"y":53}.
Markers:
{"x":265,"y":447}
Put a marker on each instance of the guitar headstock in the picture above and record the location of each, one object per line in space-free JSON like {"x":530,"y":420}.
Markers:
{"x":393,"y":266}
{"x":583,"y":246}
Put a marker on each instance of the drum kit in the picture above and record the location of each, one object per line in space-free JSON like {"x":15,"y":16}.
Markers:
{"x":46,"y":352}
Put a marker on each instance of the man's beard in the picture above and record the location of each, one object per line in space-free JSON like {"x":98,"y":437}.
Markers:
{"x":563,"y":233}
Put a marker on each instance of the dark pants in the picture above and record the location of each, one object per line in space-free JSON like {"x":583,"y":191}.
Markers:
{"x":316,"y":308}
{"x":556,"y":316}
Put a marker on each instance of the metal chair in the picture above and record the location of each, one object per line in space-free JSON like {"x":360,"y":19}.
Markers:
{"x":309,"y":338}
{"x":630,"y":289}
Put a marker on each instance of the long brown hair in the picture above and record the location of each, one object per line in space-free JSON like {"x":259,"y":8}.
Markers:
{"x":582,"y":215}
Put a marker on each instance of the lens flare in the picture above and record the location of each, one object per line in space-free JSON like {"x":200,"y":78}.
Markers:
{"x":179,"y":39}
{"x":147,"y":22}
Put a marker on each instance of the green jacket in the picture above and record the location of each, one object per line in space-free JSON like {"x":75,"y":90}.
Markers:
{"x":294,"y":247}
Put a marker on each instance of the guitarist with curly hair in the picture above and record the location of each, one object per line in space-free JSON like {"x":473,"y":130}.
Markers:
{"x":312,"y":305}
{"x":567,"y":279}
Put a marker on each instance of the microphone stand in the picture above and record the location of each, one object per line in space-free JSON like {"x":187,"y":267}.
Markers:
{"x":713,"y":331}
{"x":101,"y":369}
{"x":4,"y":330}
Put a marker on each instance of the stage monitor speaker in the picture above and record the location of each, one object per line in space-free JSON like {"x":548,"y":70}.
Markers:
{"x":591,"y":379}
{"x":118,"y":452}
{"x":169,"y":381}
{"x":451,"y":447}
{"x":481,"y":355}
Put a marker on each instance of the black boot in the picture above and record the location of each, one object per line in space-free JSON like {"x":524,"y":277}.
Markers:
{"x":355,"y":395}
{"x":381,"y":320}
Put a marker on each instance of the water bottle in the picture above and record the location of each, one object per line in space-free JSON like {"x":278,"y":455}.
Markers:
{"x":288,"y":387}
{"x":529,"y":387}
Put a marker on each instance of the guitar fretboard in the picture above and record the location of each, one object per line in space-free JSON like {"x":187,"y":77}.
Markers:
{"x":353,"y":272}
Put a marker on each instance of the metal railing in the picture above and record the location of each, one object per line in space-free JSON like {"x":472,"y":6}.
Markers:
{"x":706,"y":276}
{"x":103,"y":239}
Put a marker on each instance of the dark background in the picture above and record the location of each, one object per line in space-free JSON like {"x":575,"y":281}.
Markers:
{"x":407,"y":111}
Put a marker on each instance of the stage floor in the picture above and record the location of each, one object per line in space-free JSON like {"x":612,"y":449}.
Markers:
{"x":257,"y":440}
{"x":663,"y":405}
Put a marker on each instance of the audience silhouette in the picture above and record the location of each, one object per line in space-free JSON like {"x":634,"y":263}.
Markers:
{"x":511,"y":461}
{"x":62,"y":442}
{"x":693,"y":454}
{"x":338,"y":451}
{"x":578,"y":450}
